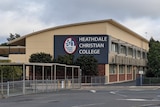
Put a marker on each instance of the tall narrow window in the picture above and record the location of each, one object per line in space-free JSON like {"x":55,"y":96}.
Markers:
{"x":130,"y":51}
{"x":134,"y":53}
{"x":139,"y":54}
{"x":129,"y":69}
{"x":112,"y":69}
{"x":123,"y":49}
{"x":114,"y":47}
{"x":144,"y":55}
{"x":121,"y":69}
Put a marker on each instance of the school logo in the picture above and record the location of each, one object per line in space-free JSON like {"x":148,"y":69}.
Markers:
{"x":70,"y":45}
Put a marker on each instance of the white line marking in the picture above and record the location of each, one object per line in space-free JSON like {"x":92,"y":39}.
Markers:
{"x":158,"y":95}
{"x":116,"y":93}
{"x":146,"y":105}
{"x":139,"y":99}
{"x":87,"y":105}
{"x":112,"y":92}
{"x":93,"y":91}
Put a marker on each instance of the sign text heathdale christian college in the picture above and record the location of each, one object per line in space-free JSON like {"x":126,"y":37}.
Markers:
{"x":91,"y":45}
{"x":95,"y":45}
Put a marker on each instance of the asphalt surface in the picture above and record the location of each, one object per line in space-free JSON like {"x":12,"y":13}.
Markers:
{"x":111,"y":95}
{"x":106,"y":96}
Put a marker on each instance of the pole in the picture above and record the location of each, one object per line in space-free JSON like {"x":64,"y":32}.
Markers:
{"x":2,"y":83}
{"x":55,"y":77}
{"x":79,"y":76}
{"x":65,"y":77}
{"x":24,"y":75}
{"x":72,"y":78}
{"x":141,"y":79}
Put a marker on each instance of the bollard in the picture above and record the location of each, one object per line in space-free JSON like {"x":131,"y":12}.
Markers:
{"x":62,"y":84}
{"x":8,"y":88}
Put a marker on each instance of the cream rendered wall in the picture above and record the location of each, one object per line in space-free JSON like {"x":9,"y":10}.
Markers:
{"x":43,"y":42}
{"x":125,"y":36}
{"x":97,"y":28}
{"x":107,"y":73}
{"x":18,"y":58}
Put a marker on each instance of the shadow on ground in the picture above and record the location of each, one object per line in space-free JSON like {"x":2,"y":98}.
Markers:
{"x":130,"y":83}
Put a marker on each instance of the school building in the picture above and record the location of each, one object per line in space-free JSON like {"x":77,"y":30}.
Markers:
{"x":121,"y":53}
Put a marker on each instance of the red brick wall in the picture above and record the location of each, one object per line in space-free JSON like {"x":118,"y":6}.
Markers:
{"x":129,"y":76}
{"x":112,"y":77}
{"x":101,"y":70}
{"x":121,"y":77}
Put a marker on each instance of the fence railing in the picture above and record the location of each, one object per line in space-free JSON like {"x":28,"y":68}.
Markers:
{"x":94,"y":80}
{"x":151,"y":81}
{"x":14,"y":88}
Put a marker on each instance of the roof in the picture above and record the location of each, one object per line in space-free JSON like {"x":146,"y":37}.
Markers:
{"x":39,"y":64}
{"x":111,"y":21}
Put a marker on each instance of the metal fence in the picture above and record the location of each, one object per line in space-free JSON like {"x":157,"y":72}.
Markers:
{"x":94,"y":80}
{"x":22,"y":87}
{"x":37,"y":86}
{"x":150,"y":81}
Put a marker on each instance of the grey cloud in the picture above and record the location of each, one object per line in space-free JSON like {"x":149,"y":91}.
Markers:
{"x":68,"y":11}
{"x":58,"y":12}
{"x":75,"y":10}
{"x":63,"y":11}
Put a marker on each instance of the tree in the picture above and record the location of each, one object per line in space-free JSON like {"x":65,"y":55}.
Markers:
{"x":66,"y":59}
{"x":153,"y":58}
{"x":88,"y":65}
{"x":11,"y":73}
{"x":3,"y":44}
{"x":40,"y":57}
{"x":12,"y":37}
{"x":17,"y":35}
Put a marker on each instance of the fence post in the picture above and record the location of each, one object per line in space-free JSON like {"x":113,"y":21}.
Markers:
{"x":91,"y":81}
{"x":8,"y":88}
{"x":149,"y":81}
{"x":35,"y":82}
{"x":55,"y":85}
{"x":24,"y":78}
{"x":46,"y":85}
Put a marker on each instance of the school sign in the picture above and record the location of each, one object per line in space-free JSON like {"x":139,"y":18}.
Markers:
{"x":95,"y":45}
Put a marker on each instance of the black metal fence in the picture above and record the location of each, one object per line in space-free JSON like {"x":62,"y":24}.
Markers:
{"x":148,"y":81}
{"x":151,"y":81}
{"x":94,"y":80}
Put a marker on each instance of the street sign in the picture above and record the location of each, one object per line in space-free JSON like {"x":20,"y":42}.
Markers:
{"x":141,"y":72}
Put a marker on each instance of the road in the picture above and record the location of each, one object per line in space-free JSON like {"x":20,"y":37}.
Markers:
{"x":110,"y":97}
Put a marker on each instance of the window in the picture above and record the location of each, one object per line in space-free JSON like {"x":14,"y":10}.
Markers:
{"x":121,"y":69}
{"x":139,"y":53}
{"x":144,"y":55}
{"x":112,"y":69}
{"x":123,"y":49}
{"x":134,"y":53}
{"x":114,"y":47}
{"x":129,"y":69}
{"x":130,"y":51}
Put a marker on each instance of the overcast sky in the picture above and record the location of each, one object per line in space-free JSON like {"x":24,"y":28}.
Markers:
{"x":26,"y":16}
